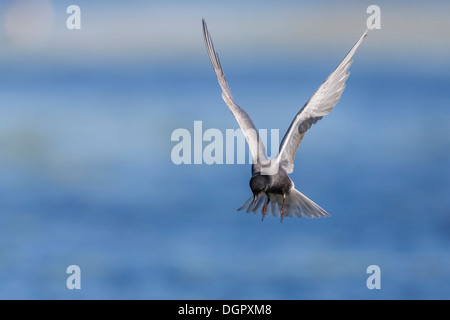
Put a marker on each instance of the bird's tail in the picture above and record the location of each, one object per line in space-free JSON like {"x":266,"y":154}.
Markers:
{"x":297,"y":204}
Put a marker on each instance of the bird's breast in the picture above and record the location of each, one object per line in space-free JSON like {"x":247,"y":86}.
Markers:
{"x":280,"y":184}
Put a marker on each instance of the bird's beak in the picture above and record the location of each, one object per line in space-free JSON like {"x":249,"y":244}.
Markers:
{"x":255,"y":197}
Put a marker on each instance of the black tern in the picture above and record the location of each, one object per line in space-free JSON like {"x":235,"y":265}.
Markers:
{"x":270,"y":182}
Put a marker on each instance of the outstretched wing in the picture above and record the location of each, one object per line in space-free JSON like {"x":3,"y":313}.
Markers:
{"x":248,"y":128}
{"x":319,"y":105}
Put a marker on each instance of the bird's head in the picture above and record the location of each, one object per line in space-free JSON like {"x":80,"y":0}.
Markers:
{"x":259,"y":184}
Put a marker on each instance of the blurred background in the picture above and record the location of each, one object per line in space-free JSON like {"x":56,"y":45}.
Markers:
{"x":86,"y":176}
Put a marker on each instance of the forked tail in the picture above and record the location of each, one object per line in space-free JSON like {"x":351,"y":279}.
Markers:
{"x":297,"y":204}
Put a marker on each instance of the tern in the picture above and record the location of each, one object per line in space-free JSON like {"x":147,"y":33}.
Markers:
{"x":270,"y":183}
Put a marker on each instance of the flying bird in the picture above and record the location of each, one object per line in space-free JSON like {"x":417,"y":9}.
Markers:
{"x":273,"y":190}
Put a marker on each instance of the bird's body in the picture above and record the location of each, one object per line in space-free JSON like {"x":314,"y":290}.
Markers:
{"x":273,"y":190}
{"x":277,"y":184}
{"x":280,"y":183}
{"x":278,"y":191}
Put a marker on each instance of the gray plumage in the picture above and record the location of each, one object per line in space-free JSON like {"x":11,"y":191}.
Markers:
{"x":270,"y":182}
{"x":248,"y":128}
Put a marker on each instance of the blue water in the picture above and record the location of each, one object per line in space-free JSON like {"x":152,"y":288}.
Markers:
{"x":87,"y":179}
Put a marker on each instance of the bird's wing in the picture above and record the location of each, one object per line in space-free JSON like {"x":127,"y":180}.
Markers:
{"x":248,"y":128}
{"x":319,"y":105}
